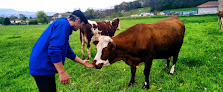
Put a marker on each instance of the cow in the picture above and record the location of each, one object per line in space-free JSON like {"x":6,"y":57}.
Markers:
{"x":90,"y":32}
{"x":142,"y":43}
{"x":220,"y":18}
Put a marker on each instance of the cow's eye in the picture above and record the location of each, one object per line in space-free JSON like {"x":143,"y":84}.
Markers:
{"x":104,"y":50}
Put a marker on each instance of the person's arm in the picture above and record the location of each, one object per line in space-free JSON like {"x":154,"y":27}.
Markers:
{"x":64,"y":77}
{"x":83,"y":62}
{"x":73,"y":56}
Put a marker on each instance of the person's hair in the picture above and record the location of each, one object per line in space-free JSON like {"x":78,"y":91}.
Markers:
{"x":73,"y":17}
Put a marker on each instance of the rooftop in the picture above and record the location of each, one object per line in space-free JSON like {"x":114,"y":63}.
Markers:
{"x":209,"y":4}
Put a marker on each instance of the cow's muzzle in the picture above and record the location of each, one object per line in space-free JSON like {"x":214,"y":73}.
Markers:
{"x":99,"y":66}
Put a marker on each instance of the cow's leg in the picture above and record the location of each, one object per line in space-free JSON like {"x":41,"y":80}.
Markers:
{"x":221,"y":26}
{"x":218,"y":20}
{"x":148,"y":64}
{"x":175,"y":57}
{"x":89,"y":50}
{"x":221,"y":29}
{"x":167,"y":64}
{"x":133,"y":71}
{"x":82,"y":49}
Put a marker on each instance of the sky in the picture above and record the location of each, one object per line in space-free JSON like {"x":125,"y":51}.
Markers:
{"x":59,"y":5}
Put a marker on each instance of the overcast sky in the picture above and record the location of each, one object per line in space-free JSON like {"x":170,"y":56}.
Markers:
{"x":58,"y":5}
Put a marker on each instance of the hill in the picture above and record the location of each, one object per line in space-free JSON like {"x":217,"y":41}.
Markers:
{"x":9,"y":12}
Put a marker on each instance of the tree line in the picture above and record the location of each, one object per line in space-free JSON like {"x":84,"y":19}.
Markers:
{"x":41,"y":18}
{"x":155,"y":5}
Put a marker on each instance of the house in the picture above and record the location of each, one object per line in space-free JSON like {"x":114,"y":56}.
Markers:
{"x":19,"y":21}
{"x":210,"y":7}
{"x":61,"y":15}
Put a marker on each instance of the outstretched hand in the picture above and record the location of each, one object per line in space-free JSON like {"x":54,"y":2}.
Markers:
{"x":86,"y":64}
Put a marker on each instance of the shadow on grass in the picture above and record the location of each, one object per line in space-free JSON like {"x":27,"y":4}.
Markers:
{"x":14,"y":37}
{"x":191,"y":62}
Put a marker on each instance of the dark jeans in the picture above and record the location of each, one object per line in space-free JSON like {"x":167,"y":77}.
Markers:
{"x":46,"y":83}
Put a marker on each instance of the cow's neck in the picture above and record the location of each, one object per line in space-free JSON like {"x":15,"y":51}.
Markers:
{"x":122,"y":42}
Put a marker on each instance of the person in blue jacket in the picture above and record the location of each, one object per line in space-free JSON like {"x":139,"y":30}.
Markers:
{"x":49,"y":53}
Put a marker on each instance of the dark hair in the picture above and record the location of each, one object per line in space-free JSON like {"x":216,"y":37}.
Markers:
{"x":81,"y":15}
{"x":73,"y":17}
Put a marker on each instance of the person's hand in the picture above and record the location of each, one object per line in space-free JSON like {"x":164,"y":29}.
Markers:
{"x":86,"y":64}
{"x":64,"y":78}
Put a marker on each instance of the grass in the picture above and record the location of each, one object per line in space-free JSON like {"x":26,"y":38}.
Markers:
{"x":199,"y":67}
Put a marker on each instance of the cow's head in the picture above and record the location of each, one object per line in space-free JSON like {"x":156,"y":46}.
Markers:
{"x":105,"y":52}
{"x":116,"y":23}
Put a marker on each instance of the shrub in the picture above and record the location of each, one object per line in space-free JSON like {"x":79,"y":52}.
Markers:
{"x":33,"y":22}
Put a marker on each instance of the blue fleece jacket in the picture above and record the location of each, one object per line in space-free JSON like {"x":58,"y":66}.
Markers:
{"x":52,"y":47}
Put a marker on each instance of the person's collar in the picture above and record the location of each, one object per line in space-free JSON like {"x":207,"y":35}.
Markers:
{"x":71,"y":29}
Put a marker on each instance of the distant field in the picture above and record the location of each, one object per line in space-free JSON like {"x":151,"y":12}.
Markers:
{"x":183,"y":9}
{"x":147,"y":9}
{"x":199,"y":67}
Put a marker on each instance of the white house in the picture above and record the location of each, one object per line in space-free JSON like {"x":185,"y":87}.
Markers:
{"x":61,"y":15}
{"x":210,"y":7}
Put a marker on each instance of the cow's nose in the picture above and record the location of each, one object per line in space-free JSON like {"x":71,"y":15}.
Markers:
{"x":94,"y":63}
{"x":99,"y":66}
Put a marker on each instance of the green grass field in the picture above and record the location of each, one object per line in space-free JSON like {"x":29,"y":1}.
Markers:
{"x":199,"y":67}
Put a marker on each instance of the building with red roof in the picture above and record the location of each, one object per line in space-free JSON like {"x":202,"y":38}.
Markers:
{"x":210,"y":7}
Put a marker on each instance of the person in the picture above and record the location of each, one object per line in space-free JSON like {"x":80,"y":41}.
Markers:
{"x":49,"y":52}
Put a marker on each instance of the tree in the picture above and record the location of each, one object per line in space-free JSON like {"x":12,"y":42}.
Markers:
{"x":12,"y":17}
{"x":23,"y":17}
{"x":6,"y":21}
{"x":1,"y":20}
{"x":90,"y":14}
{"x":42,"y":18}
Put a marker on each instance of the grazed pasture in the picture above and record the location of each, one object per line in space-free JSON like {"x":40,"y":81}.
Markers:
{"x":199,"y":67}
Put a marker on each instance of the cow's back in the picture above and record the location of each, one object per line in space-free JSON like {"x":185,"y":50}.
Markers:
{"x":161,"y":38}
{"x":168,"y":38}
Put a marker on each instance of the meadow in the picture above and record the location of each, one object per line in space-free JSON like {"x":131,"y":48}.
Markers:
{"x":199,"y":67}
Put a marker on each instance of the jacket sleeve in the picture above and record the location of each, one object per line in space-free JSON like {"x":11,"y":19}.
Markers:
{"x":57,"y":41}
{"x":70,"y":53}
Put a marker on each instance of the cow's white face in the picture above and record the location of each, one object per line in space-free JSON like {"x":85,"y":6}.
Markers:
{"x":103,"y":43}
{"x":94,"y":30}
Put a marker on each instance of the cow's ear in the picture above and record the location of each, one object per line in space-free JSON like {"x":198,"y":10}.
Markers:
{"x":118,"y":19}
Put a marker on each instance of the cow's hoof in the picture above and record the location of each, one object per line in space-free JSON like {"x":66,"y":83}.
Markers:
{"x":131,"y":84}
{"x":145,"y":87}
{"x":172,"y":73}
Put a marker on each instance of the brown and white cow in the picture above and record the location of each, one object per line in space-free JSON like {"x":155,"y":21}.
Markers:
{"x":142,"y":43}
{"x":90,"y":32}
{"x":220,"y":18}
